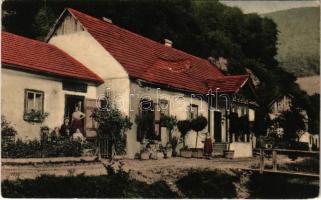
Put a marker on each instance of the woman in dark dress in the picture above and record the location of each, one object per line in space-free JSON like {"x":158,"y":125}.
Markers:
{"x":65,"y":129}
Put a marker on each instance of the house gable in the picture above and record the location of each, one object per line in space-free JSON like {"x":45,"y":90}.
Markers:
{"x":71,"y":36}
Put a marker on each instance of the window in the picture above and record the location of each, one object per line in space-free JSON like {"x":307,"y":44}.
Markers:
{"x":146,"y":125}
{"x":34,"y":100}
{"x":193,"y":111}
{"x":164,"y":107}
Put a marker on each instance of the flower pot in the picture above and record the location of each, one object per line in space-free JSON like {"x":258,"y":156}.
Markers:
{"x":144,"y":155}
{"x":169,"y":153}
{"x":160,"y":155}
{"x":186,"y":153}
{"x":197,"y":153}
{"x":229,"y":154}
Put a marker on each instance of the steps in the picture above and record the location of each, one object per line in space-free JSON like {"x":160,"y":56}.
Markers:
{"x":219,"y":148}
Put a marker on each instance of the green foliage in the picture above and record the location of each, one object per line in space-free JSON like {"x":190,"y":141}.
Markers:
{"x":59,"y":147}
{"x":239,"y":125}
{"x":43,"y":21}
{"x":112,"y":124}
{"x":115,"y":185}
{"x":184,"y":126}
{"x":199,"y":123}
{"x":168,"y":121}
{"x":208,"y":184}
{"x":291,"y":122}
{"x":6,"y":128}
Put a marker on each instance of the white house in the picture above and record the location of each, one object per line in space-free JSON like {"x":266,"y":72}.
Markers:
{"x":38,"y":76}
{"x":133,"y":68}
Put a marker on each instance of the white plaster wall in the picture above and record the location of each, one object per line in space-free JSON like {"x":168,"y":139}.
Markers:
{"x":84,"y":48}
{"x":13,"y":85}
{"x":178,"y":107}
{"x":241,"y":149}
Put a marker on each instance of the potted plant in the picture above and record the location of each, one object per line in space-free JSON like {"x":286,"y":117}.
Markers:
{"x":184,"y":126}
{"x":185,"y":152}
{"x":229,"y":153}
{"x":144,"y":154}
{"x":167,"y":150}
{"x":198,"y":124}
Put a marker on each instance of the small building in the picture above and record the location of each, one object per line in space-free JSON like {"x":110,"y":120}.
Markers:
{"x":38,"y":77}
{"x":284,"y":103}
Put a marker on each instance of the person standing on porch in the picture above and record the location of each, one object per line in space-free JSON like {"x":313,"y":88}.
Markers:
{"x":76,"y":122}
{"x":65,"y":129}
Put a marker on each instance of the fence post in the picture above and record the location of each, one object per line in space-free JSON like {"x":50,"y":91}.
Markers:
{"x":261,"y":161}
{"x":274,"y":160}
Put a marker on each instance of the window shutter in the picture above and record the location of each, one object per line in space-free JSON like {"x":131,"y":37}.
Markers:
{"x":157,"y":115}
{"x":90,"y":123}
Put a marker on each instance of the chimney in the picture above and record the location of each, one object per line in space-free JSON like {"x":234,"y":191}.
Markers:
{"x":168,"y":43}
{"x":107,"y":20}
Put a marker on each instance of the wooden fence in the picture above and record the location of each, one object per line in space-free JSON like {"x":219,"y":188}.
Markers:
{"x":263,"y":153}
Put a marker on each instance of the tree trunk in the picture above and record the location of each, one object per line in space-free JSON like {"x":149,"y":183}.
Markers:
{"x":196,"y":140}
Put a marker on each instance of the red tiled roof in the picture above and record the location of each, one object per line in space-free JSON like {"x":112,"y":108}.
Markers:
{"x":227,"y":83}
{"x":151,"y":61}
{"x":32,"y":55}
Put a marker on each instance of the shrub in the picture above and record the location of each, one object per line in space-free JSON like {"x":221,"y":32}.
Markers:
{"x":36,"y":149}
{"x":113,"y":125}
{"x":198,"y":124}
{"x":169,"y":122}
{"x":7,"y":130}
{"x":184,"y":126}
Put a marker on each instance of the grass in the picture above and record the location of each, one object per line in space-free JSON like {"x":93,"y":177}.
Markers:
{"x":107,"y":186}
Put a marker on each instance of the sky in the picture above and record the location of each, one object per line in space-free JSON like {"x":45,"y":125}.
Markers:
{"x":270,"y":6}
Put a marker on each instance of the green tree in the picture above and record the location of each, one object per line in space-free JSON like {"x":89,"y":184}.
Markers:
{"x":113,"y":125}
{"x":291,"y":122}
{"x":198,"y":124}
{"x":184,"y":126}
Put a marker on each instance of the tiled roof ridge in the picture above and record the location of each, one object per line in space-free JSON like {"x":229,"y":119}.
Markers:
{"x":160,"y":45}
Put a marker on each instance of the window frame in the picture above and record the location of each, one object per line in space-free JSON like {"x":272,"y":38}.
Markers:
{"x":162,"y":110}
{"x":191,"y":106}
{"x":26,"y":101}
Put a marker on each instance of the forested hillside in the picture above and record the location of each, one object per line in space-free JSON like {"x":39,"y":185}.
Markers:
{"x":298,"y":40}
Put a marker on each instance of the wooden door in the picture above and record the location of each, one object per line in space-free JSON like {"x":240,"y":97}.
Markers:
{"x":217,"y":126}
